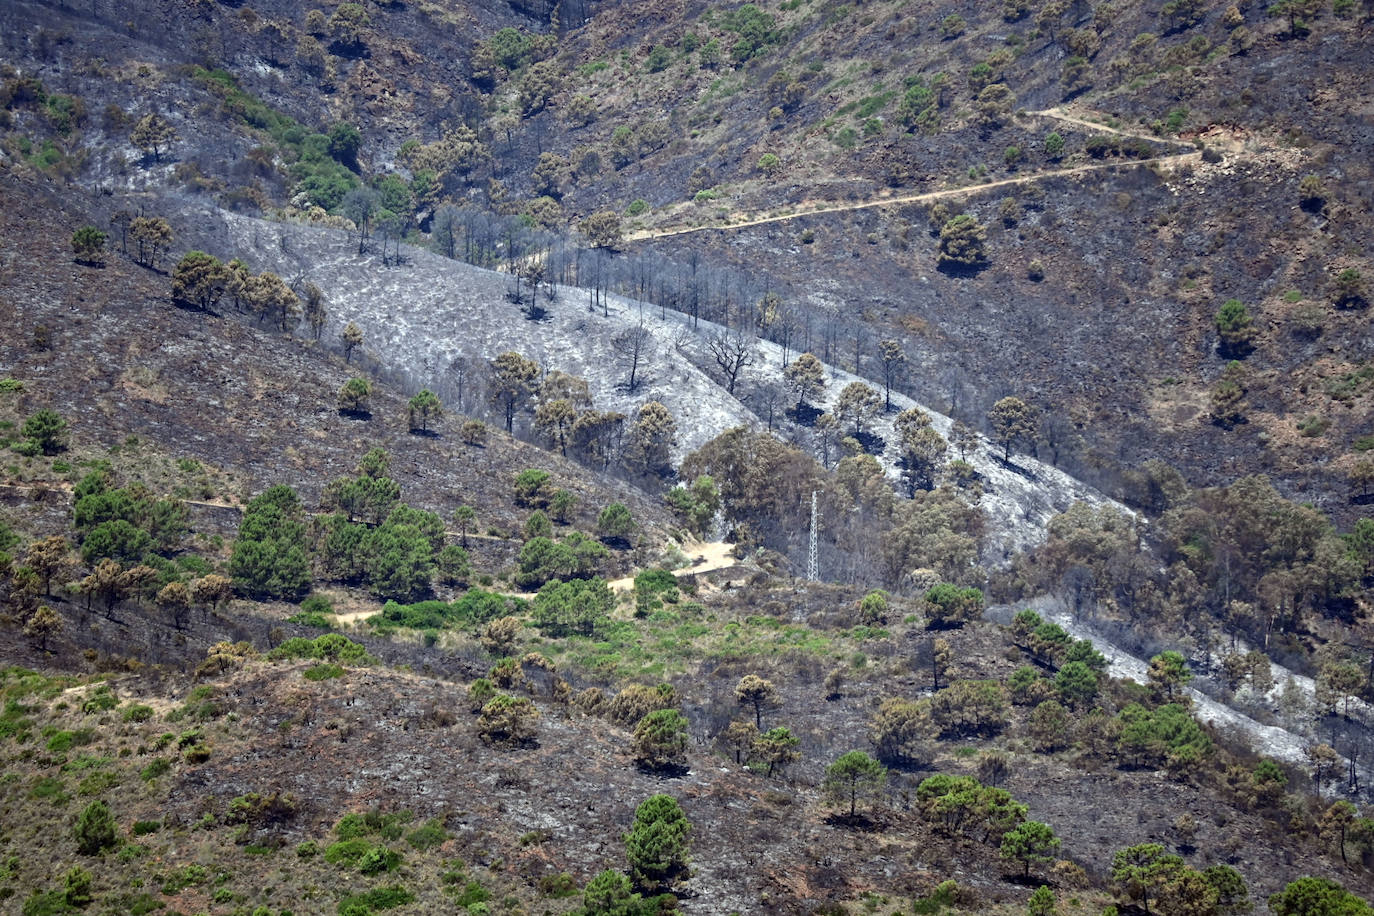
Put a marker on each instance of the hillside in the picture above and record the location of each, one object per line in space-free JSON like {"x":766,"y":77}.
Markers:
{"x":854,"y":106}
{"x":602,"y":458}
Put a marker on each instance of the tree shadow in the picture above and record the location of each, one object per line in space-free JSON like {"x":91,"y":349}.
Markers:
{"x":351,"y":50}
{"x":359,"y":414}
{"x":857,"y":821}
{"x":906,"y":764}
{"x":665,"y":771}
{"x":426,"y":433}
{"x":188,"y":306}
{"x":803,"y":414}
{"x":1017,"y":469}
{"x":1024,"y":880}
{"x":872,"y":443}
{"x":962,"y":271}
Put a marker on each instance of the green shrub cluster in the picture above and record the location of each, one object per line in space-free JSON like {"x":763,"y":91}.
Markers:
{"x":476,"y":607}
{"x":428,"y":835}
{"x":334,"y":647}
{"x":368,"y":902}
{"x":756,"y":30}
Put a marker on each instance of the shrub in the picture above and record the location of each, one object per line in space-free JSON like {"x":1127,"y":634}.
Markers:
{"x":50,"y":788}
{"x":138,"y":712}
{"x":962,"y":244}
{"x":368,"y":902}
{"x":88,"y":245}
{"x":359,"y":853}
{"x":1312,"y":426}
{"x":658,"y":843}
{"x":47,"y":430}
{"x":473,"y":432}
{"x":1348,"y":289}
{"x":153,"y":770}
{"x":559,"y":886}
{"x":95,"y":829}
{"x":101,"y":700}
{"x":333,"y":647}
{"x":533,"y":489}
{"x":1235,"y":326}
{"x":614,"y":522}
{"x":507,"y":720}
{"x":428,"y":835}
{"x":661,"y":740}
{"x":949,"y":605}
{"x":658,"y":59}
{"x":379,"y":859}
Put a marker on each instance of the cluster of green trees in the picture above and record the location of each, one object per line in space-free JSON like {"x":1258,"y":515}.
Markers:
{"x":125,"y":523}
{"x":370,"y":538}
{"x":322,"y":166}
{"x":373,"y":538}
{"x":132,"y":544}
{"x":270,"y":558}
{"x":962,"y":805}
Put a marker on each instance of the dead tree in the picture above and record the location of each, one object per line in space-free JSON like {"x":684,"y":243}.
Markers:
{"x":733,"y":352}
{"x":633,"y":348}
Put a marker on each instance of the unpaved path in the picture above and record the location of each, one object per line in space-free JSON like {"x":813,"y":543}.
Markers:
{"x":910,"y":198}
{"x":1062,"y":114}
{"x":807,"y":209}
{"x":705,"y":557}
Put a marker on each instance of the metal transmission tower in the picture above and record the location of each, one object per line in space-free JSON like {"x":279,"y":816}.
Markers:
{"x":813,"y":558}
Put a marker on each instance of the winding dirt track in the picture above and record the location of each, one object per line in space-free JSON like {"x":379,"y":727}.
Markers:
{"x":887,"y":201}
